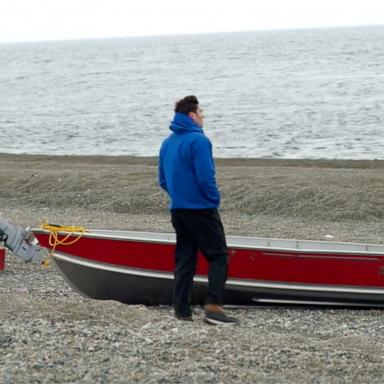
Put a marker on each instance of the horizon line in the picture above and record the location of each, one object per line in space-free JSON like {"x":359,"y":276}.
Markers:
{"x":189,"y":34}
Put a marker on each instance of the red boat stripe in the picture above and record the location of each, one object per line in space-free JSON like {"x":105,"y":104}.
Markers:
{"x":230,"y":282}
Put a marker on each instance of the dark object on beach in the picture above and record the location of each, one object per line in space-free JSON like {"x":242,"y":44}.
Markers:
{"x":137,"y":268}
{"x":2,"y":259}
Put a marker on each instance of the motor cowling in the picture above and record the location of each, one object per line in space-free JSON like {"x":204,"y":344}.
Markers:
{"x":22,"y":242}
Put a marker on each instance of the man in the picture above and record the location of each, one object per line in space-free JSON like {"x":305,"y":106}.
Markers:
{"x":187,"y":173}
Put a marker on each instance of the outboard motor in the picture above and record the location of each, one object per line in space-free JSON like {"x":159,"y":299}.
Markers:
{"x":22,"y":242}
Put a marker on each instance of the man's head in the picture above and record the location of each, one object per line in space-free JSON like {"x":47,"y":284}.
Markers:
{"x":190,"y":107}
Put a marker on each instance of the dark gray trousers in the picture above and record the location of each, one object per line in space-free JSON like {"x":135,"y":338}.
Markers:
{"x":198,"y":229}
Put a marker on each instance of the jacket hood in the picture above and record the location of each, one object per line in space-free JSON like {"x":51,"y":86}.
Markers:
{"x":182,"y":124}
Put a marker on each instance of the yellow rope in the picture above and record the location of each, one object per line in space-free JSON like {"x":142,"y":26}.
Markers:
{"x":54,"y":239}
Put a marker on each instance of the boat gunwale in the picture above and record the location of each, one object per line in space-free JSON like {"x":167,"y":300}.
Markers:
{"x":135,"y":236}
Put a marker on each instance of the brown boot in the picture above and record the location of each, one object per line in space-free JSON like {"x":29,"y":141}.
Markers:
{"x":214,"y":314}
{"x":213,"y":308}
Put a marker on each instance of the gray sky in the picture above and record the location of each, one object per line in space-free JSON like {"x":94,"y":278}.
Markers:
{"x":26,"y":20}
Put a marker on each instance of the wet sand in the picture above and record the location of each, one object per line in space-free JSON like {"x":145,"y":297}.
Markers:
{"x":50,"y":334}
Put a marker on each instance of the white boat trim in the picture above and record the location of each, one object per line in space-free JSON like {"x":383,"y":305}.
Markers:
{"x":309,"y":302}
{"x":229,"y":283}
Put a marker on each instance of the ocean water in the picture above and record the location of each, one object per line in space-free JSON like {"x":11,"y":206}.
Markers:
{"x":274,"y":94}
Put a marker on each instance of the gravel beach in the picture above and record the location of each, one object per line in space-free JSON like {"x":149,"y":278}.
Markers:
{"x":50,"y":334}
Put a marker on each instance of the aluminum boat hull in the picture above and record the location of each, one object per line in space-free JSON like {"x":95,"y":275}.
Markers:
{"x":137,"y":268}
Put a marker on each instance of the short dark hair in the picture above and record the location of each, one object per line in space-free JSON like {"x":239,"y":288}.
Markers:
{"x":187,"y":104}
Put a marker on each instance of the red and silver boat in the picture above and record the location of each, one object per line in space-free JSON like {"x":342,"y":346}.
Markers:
{"x":137,"y":268}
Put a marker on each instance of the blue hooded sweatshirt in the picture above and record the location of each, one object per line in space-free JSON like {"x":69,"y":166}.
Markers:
{"x":187,"y":168}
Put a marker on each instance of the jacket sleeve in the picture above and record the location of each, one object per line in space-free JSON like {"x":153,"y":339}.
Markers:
{"x":204,"y":167}
{"x":162,"y":180}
